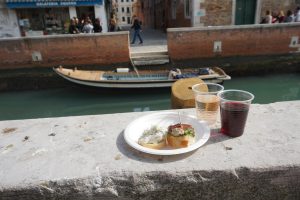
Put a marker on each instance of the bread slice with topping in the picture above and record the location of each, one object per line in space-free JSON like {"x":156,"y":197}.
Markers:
{"x":180,"y":135}
{"x":153,"y":138}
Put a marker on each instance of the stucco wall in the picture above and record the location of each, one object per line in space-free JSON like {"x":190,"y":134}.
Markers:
{"x":8,"y":23}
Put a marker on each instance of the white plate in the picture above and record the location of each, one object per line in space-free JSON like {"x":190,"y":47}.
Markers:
{"x":164,"y":119}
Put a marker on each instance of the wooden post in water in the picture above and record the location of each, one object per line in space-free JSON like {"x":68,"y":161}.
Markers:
{"x":182,"y":94}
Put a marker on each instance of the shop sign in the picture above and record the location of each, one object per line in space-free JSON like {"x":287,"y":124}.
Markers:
{"x":43,"y":4}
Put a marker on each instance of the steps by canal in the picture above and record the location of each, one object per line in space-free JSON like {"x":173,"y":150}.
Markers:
{"x":147,"y":58}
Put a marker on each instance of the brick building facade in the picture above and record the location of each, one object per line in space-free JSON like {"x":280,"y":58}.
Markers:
{"x":161,"y":14}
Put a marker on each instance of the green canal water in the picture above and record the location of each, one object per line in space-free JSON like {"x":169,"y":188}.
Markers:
{"x":74,"y":100}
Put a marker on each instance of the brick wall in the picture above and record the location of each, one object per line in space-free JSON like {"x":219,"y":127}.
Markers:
{"x":73,"y":50}
{"x":197,"y":43}
{"x":217,"y":12}
{"x":181,"y":20}
{"x":158,"y":14}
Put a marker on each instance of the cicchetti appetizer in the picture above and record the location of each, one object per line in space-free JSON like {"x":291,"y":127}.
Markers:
{"x":180,"y":135}
{"x":154,"y":138}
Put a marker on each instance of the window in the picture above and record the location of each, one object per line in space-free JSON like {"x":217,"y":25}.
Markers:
{"x":122,"y":0}
{"x":187,"y":8}
{"x":127,"y":0}
{"x":174,"y":8}
{"x":117,"y":9}
{"x":123,"y":9}
{"x":128,"y":10}
{"x":123,"y":19}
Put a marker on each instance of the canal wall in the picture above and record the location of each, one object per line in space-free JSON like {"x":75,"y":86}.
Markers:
{"x":86,"y":157}
{"x":233,"y":41}
{"x":26,"y":63}
{"x":67,"y":50}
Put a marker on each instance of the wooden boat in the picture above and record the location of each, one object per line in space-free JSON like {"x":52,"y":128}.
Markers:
{"x":124,"y":78}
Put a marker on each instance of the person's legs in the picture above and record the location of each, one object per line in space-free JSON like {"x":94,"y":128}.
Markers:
{"x":140,"y":38}
{"x":134,"y":36}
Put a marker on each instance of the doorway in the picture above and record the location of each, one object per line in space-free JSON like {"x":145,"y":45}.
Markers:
{"x":245,"y":12}
{"x":85,"y":11}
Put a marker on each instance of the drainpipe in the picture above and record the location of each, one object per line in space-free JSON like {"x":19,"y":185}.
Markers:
{"x":193,"y":13}
{"x":100,"y":12}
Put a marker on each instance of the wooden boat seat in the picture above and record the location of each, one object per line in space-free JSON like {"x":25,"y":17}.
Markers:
{"x":80,"y":74}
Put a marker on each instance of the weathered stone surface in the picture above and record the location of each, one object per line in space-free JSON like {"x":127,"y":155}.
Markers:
{"x":218,"y":12}
{"x":277,"y":6}
{"x":86,"y":157}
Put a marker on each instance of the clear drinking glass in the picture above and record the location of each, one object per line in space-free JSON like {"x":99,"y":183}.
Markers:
{"x":207,"y":101}
{"x":234,"y":106}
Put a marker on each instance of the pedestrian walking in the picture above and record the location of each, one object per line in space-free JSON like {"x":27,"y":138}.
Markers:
{"x":137,"y":30}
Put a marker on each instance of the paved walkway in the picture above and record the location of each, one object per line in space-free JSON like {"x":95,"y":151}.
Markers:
{"x":154,"y":40}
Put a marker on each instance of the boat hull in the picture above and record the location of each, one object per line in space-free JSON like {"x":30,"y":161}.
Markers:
{"x":144,"y":84}
{"x":139,"y":83}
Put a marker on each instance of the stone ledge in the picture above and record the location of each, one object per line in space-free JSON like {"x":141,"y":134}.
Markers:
{"x":235,"y":27}
{"x":86,"y":157}
{"x":88,"y":35}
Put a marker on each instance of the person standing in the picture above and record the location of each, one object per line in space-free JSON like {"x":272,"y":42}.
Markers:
{"x":137,"y":30}
{"x":268,"y":17}
{"x":97,"y":26}
{"x":275,"y":17}
{"x":88,"y":27}
{"x":297,"y":14}
{"x":289,"y":17}
{"x":72,"y":28}
{"x":281,"y":17}
{"x":112,"y":23}
{"x":78,"y":24}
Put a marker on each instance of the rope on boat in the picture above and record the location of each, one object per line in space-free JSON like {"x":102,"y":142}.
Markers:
{"x":134,"y":67}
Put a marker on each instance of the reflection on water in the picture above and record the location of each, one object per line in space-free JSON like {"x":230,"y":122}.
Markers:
{"x":88,"y":101}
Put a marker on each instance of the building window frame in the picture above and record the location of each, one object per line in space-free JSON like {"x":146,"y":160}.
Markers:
{"x":174,"y":9}
{"x":187,"y":9}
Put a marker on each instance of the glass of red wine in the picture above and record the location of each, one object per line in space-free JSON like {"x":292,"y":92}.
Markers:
{"x":234,"y":106}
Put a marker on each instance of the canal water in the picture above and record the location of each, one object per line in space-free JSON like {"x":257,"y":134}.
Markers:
{"x":75,"y":100}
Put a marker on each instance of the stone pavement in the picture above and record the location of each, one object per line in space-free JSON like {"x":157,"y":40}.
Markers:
{"x":86,"y":157}
{"x":154,"y":40}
